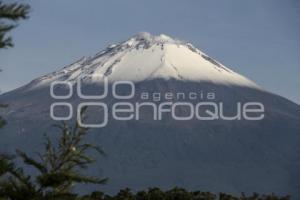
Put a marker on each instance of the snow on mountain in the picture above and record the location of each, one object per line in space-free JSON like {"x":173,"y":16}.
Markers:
{"x":147,"y":57}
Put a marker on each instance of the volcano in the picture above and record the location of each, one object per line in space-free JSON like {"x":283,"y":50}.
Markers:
{"x":218,"y":155}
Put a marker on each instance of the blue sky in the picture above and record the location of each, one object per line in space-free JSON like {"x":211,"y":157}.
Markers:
{"x":259,"y":39}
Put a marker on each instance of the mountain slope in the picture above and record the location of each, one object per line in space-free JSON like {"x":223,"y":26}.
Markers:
{"x":233,"y":156}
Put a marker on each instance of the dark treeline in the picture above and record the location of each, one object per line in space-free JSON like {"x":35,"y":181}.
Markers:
{"x":177,"y":194}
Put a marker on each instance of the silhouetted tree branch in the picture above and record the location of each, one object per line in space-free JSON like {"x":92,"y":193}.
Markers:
{"x":59,"y":168}
{"x":10,"y":14}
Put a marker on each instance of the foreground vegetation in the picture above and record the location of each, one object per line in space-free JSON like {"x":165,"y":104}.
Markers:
{"x":61,"y":165}
{"x":10,"y":14}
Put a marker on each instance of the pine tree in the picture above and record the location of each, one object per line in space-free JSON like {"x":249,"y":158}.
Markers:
{"x":10,"y":14}
{"x":59,"y":168}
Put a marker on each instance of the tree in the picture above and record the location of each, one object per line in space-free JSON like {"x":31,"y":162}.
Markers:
{"x":154,"y":194}
{"x":10,"y":14}
{"x":125,"y":194}
{"x":59,"y":168}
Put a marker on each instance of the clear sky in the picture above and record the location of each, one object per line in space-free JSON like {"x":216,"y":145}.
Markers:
{"x":259,"y":39}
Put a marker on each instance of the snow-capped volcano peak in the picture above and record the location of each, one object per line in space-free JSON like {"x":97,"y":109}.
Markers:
{"x":145,"y":36}
{"x":146,"y":39}
{"x":146,"y":57}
